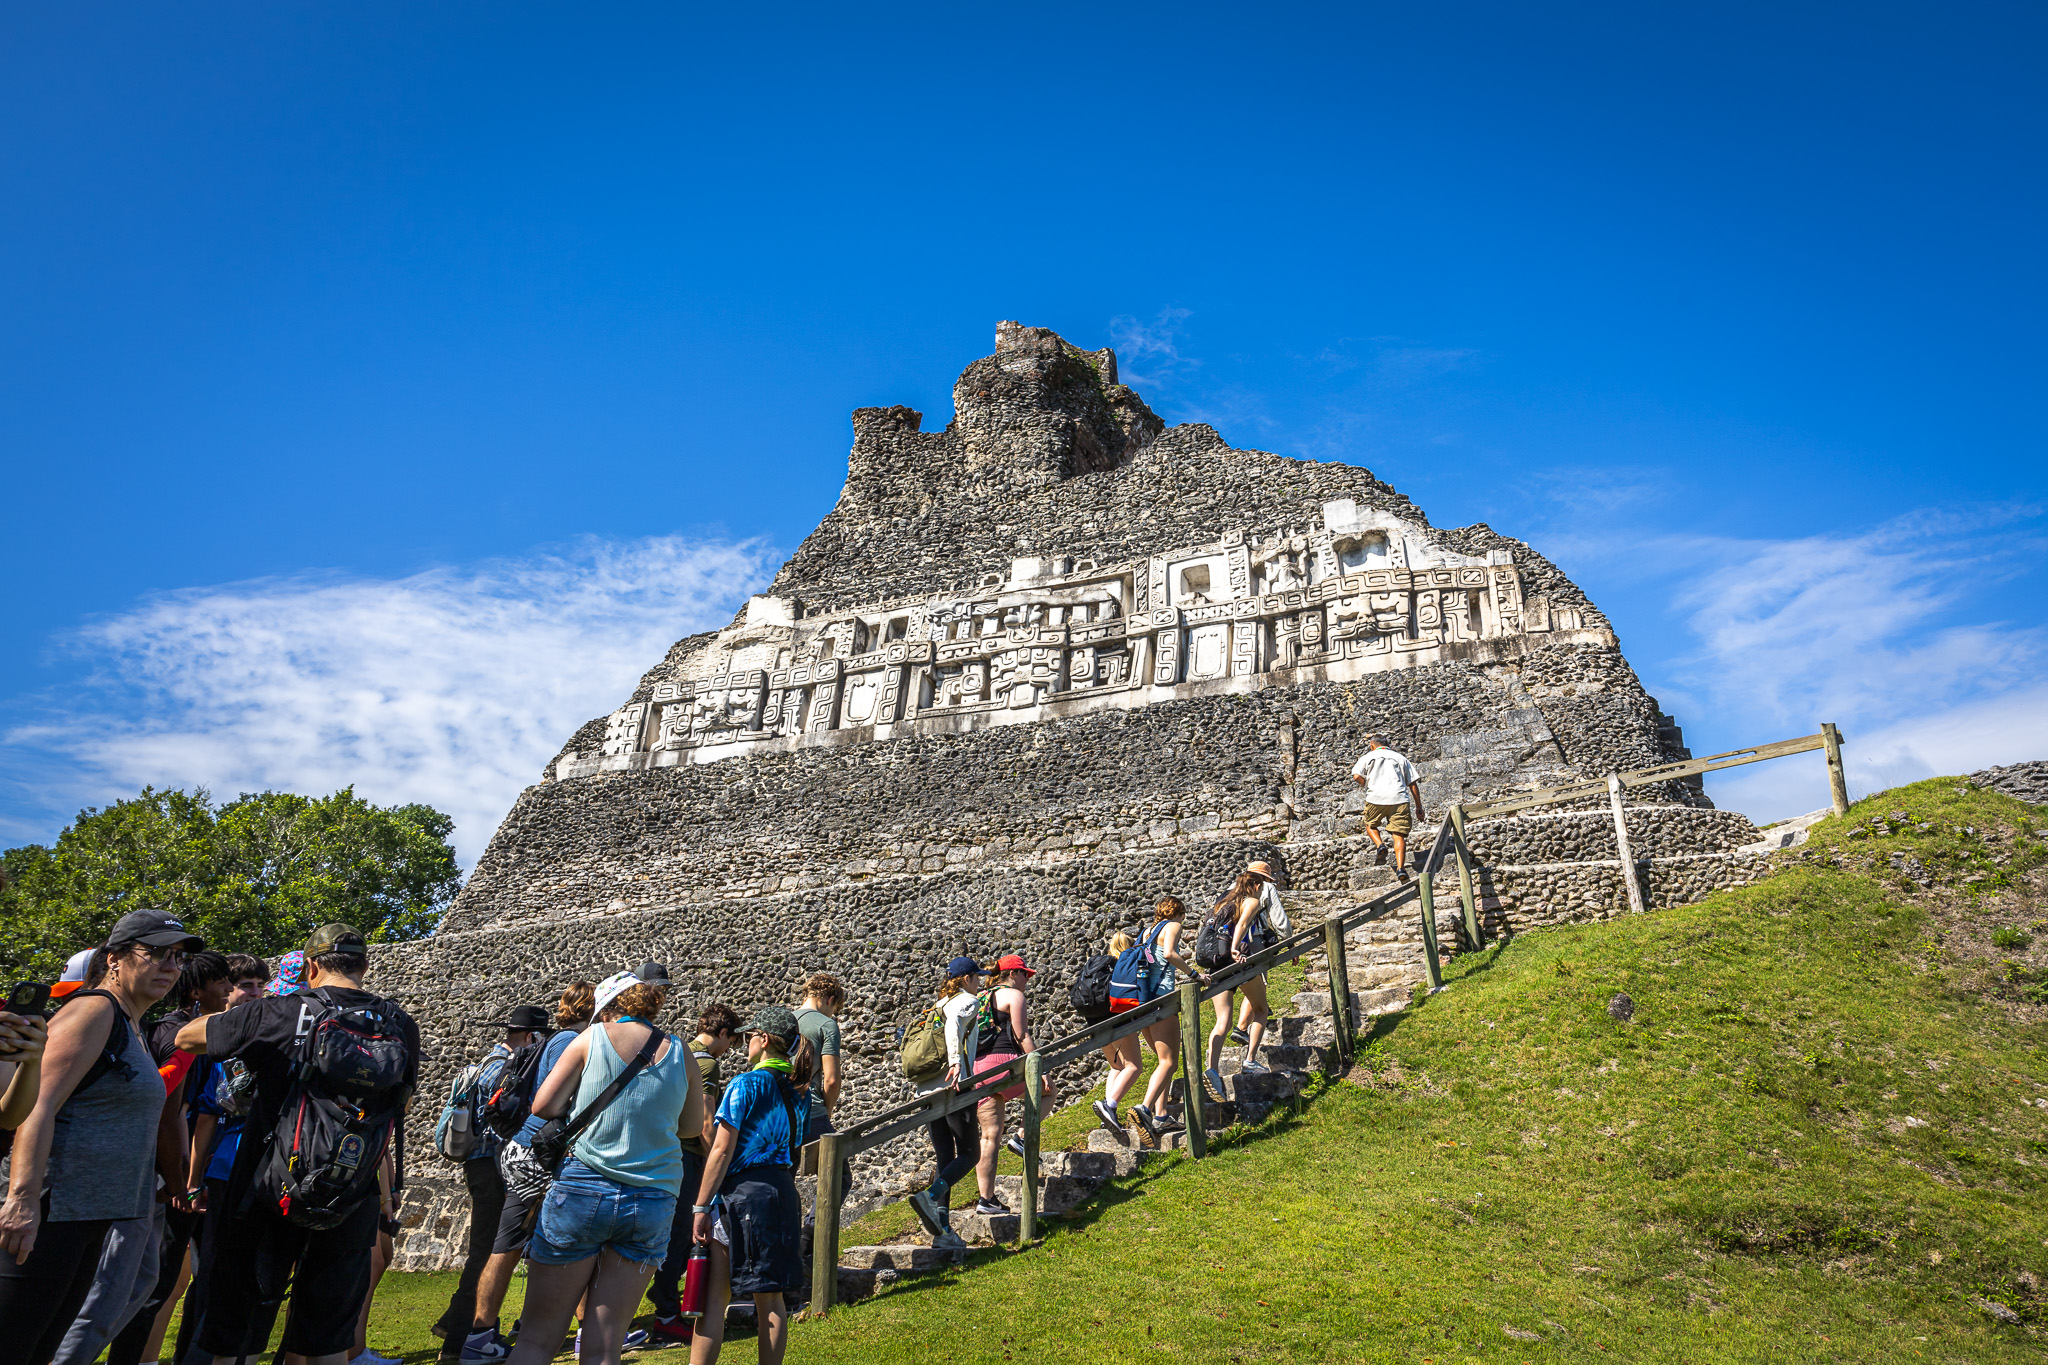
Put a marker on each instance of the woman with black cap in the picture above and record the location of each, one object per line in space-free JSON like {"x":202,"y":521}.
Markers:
{"x":748,"y":1208}
{"x":86,"y":1156}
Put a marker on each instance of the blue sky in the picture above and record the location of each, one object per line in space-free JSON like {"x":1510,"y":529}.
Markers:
{"x":383,"y":387}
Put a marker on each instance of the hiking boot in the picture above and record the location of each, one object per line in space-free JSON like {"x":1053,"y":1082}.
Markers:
{"x":1240,"y":1037}
{"x":929,"y":1211}
{"x":1379,"y":857}
{"x":949,"y":1240}
{"x":994,"y":1207}
{"x":1015,"y":1144}
{"x":1106,"y":1111}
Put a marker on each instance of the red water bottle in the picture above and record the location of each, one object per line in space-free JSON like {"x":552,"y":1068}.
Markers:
{"x":697,"y":1281}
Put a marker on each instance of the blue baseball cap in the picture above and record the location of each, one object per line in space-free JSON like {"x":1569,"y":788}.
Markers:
{"x":964,"y":966}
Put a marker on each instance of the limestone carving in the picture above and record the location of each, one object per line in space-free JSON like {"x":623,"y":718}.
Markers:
{"x":1360,"y":593}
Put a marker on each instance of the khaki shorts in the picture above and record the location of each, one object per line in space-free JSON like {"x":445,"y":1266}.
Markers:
{"x":1395,"y":816}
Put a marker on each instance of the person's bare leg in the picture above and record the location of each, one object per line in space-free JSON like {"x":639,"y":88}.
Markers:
{"x":1400,"y":850}
{"x":1255,"y":1002}
{"x":492,"y":1287}
{"x":1165,"y":1039}
{"x":990,"y":1113}
{"x":772,"y":1317}
{"x":1123,"y":1061}
{"x":613,"y":1297}
{"x":710,"y":1333}
{"x":380,"y":1261}
{"x":552,"y":1293}
{"x":1222,"y":1029}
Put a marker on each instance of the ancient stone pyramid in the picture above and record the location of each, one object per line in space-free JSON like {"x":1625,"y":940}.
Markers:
{"x":1031,"y":673}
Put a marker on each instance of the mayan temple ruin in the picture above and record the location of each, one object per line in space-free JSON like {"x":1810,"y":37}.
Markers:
{"x":1032,"y":672}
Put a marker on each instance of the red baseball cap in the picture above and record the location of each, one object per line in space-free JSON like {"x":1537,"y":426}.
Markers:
{"x":1010,"y":962}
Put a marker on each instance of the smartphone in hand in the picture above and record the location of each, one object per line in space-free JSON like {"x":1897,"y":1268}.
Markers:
{"x":27,"y":998}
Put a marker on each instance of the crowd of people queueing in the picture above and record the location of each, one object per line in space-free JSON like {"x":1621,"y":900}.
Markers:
{"x":245,"y":1155}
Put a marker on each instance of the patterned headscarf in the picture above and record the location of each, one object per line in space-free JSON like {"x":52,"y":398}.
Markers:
{"x":291,"y":974}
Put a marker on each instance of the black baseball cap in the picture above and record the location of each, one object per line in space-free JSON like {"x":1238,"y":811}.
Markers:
{"x":530,"y":1018}
{"x":152,"y":929}
{"x":653,"y":973}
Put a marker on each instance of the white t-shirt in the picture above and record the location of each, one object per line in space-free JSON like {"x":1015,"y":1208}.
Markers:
{"x":1387,"y":775}
{"x":958,"y":1016}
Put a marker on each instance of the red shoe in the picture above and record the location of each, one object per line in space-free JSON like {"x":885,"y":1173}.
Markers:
{"x":671,"y":1329}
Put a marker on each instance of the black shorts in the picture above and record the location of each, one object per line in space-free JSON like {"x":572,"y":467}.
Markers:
{"x":259,"y":1258}
{"x":515,"y":1224}
{"x":764,"y":1217}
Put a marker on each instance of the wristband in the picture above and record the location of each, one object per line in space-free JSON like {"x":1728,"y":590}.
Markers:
{"x":700,"y":1208}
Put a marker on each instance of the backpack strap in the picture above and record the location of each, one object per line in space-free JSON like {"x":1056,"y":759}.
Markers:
{"x":575,"y":1126}
{"x":114,"y":1055}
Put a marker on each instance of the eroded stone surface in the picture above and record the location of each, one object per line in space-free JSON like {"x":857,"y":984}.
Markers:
{"x":1032,"y":672}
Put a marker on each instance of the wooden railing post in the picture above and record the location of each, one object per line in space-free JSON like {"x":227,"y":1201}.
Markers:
{"x":1621,"y":844}
{"x":1838,"y":778}
{"x":1194,"y":1059}
{"x":1034,"y":1106}
{"x":825,"y":1228}
{"x":1434,"y":963}
{"x":1340,"y":986}
{"x":1465,"y":878}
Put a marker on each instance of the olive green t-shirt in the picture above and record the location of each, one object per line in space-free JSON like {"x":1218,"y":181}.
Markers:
{"x":823,"y":1031}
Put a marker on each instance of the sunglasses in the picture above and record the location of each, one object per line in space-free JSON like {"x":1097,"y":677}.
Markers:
{"x":170,"y":953}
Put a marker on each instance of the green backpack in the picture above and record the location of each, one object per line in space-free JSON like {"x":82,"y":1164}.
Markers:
{"x":924,"y":1048}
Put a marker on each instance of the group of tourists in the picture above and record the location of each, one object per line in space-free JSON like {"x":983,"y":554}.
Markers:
{"x":241,"y":1150}
{"x":580,"y":1134}
{"x":246,"y":1154}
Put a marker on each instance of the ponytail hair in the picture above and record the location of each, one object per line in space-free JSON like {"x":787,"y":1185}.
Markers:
{"x":802,"y":1059}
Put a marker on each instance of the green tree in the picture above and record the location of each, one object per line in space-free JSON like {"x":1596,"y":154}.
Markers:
{"x":253,"y":875}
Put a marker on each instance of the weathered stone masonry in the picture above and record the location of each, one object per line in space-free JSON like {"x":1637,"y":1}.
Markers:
{"x":1032,"y":672}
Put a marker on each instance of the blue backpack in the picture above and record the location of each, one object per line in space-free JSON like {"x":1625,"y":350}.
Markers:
{"x":1135,"y":980}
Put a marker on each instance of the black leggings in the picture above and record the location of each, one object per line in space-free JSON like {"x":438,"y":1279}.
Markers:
{"x":38,"y":1300}
{"x":956,"y":1141}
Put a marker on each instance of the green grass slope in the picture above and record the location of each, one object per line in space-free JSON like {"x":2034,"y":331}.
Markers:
{"x":1821,"y":1137}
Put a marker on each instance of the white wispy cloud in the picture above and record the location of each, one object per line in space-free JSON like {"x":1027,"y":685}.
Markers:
{"x":1150,"y":352}
{"x":451,"y":686}
{"x":1909,"y":635}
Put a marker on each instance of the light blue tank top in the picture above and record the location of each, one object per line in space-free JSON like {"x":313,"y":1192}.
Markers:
{"x":635,"y":1141}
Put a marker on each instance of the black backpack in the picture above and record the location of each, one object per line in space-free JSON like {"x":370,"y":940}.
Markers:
{"x":347,"y":1094}
{"x":1212,"y":944}
{"x":1089,"y":995}
{"x":505,"y":1110}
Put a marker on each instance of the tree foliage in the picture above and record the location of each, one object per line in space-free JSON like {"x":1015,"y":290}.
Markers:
{"x":254,"y":875}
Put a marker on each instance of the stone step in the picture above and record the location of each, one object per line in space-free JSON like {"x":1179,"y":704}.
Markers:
{"x":1262,"y":1087}
{"x":1056,"y":1194}
{"x":1174,"y":1142}
{"x":1295,"y":1030}
{"x":1119,"y":1147}
{"x":1281,"y":1057}
{"x":909,"y":1258}
{"x":984,"y":1229}
{"x":1085,"y":1166}
{"x":1381,"y":1000}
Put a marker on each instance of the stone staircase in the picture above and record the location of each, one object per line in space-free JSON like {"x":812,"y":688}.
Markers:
{"x":1298,"y":1047}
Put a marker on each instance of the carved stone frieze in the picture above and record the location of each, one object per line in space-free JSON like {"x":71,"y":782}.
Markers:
{"x":1253,"y":608}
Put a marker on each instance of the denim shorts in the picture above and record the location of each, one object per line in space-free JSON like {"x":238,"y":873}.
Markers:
{"x":584,"y":1212}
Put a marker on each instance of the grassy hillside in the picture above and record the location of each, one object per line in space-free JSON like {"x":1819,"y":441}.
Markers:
{"x":1820,"y":1137}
